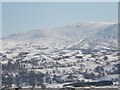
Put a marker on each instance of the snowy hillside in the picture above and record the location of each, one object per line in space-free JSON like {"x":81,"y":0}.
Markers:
{"x":77,"y":52}
{"x":72,"y":36}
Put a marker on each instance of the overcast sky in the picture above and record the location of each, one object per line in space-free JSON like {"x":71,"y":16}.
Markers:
{"x":19,"y":17}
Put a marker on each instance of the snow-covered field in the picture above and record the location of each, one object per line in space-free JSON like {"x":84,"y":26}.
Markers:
{"x":53,"y":57}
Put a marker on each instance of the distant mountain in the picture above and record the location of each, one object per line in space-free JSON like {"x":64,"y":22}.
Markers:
{"x":70,"y":36}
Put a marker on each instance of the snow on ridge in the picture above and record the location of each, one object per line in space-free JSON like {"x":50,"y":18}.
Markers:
{"x":68,"y":34}
{"x":48,"y":30}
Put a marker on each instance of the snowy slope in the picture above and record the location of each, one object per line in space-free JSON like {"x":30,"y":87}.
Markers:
{"x":82,"y":51}
{"x":74,"y":35}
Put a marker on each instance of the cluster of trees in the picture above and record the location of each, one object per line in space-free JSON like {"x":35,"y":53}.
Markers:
{"x":17,"y":74}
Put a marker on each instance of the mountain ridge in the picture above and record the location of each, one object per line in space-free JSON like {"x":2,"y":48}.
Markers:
{"x":90,"y":33}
